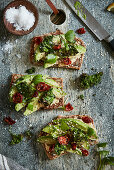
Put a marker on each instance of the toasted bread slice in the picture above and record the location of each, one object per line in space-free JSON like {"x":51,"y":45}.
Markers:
{"x":75,"y":65}
{"x":46,"y":146}
{"x":60,"y":102}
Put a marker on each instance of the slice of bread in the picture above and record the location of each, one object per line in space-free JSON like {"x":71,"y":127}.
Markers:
{"x":46,"y":147}
{"x":76,"y":65}
{"x":52,"y":106}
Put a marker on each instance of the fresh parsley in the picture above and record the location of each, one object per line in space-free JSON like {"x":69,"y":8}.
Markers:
{"x":30,"y":71}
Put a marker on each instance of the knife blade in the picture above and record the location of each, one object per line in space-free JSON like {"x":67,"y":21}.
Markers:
{"x":90,"y":21}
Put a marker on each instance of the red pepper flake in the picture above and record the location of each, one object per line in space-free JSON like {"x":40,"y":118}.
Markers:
{"x":68,"y":107}
{"x":51,"y":148}
{"x":17,"y":98}
{"x":35,"y":94}
{"x":63,"y":140}
{"x":84,"y":152}
{"x":73,"y":145}
{"x":9,"y":121}
{"x":38,"y":40}
{"x":87,"y":119}
{"x":43,"y":87}
{"x":67,"y":61}
{"x":81,"y":31}
{"x":57,"y":47}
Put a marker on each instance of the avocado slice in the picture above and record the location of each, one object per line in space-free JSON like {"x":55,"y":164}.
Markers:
{"x":19,"y":106}
{"x":12,"y":91}
{"x":46,"y":65}
{"x":38,"y":56}
{"x":80,"y":49}
{"x":58,"y":93}
{"x":46,"y":139}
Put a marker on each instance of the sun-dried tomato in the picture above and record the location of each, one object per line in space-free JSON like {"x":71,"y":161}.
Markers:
{"x":81,"y":31}
{"x":57,"y":47}
{"x":43,"y":87}
{"x":51,"y":148}
{"x":73,"y":145}
{"x":67,"y":61}
{"x":63,"y":140}
{"x":38,"y":40}
{"x":35,"y":94}
{"x":9,"y":121}
{"x":87,"y":119}
{"x":68,"y":107}
{"x":17,"y":98}
{"x":84,"y":152}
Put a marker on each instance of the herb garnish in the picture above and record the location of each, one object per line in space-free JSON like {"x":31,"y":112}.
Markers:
{"x":70,"y":35}
{"x":16,"y":139}
{"x":30,"y":71}
{"x":59,"y":148}
{"x":87,"y":81}
{"x":81,"y":97}
{"x":104,"y":158}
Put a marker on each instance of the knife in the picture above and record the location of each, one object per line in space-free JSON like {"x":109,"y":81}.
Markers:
{"x":90,"y":21}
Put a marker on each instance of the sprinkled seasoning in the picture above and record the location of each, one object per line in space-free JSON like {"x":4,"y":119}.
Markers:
{"x":19,"y":18}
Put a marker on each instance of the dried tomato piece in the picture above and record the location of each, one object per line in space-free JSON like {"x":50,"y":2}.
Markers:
{"x":84,"y":152}
{"x":9,"y":120}
{"x":51,"y":148}
{"x":67,"y":61}
{"x":17,"y":98}
{"x":73,"y":145}
{"x":57,"y":47}
{"x":87,"y":119}
{"x":63,"y":140}
{"x":35,"y":94}
{"x":81,"y":31}
{"x":68,"y":107}
{"x":38,"y":40}
{"x":43,"y":87}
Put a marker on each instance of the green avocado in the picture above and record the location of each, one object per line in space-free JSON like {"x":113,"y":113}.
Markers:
{"x":19,"y":106}
{"x":46,"y":139}
{"x":58,"y":93}
{"x":80,"y":49}
{"x":52,"y":82}
{"x":38,"y":56}
{"x":46,"y":65}
{"x":51,"y":58}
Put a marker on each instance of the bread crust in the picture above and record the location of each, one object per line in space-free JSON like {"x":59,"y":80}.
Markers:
{"x":49,"y":155}
{"x":50,"y":107}
{"x":76,"y":65}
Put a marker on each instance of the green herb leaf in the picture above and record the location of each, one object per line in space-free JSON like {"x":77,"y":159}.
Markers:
{"x":70,"y":35}
{"x":90,"y":131}
{"x":16,"y":139}
{"x":51,"y":58}
{"x":108,"y":160}
{"x":103,"y":145}
{"x":37,"y":79}
{"x":81,"y":97}
{"x":28,"y":134}
{"x":30,"y":71}
{"x":30,"y":107}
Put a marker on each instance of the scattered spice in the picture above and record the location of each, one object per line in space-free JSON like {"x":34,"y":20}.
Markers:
{"x":9,"y":120}
{"x":81,"y":31}
{"x":16,"y":139}
{"x":30,"y":71}
{"x":68,"y":107}
{"x":81,"y":97}
{"x":21,"y":18}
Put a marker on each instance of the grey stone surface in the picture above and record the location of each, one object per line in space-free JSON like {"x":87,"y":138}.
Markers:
{"x":14,"y":58}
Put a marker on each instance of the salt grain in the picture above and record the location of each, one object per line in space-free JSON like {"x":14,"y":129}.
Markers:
{"x":21,"y":18}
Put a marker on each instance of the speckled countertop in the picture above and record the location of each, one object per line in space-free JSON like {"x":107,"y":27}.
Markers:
{"x":98,"y":101}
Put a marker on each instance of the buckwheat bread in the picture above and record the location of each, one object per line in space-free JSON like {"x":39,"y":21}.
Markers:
{"x":76,"y":65}
{"x":46,"y":147}
{"x":53,"y":106}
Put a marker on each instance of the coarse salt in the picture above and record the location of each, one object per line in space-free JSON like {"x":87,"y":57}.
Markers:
{"x":21,"y":18}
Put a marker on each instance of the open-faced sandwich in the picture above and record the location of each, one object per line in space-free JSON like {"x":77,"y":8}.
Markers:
{"x":57,"y":50}
{"x":35,"y":92}
{"x":66,"y":134}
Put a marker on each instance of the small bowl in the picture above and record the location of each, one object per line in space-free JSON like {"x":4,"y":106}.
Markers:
{"x":29,"y":7}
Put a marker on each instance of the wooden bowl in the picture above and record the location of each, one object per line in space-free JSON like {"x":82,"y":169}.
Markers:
{"x":29,"y":7}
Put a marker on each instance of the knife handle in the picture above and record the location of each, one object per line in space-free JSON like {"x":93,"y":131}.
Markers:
{"x":110,"y":40}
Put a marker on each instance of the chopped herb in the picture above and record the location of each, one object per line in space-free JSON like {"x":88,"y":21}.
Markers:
{"x":87,"y":81}
{"x":28,"y":134}
{"x":81,"y":97}
{"x":16,"y":139}
{"x":59,"y":148}
{"x":30,"y":71}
